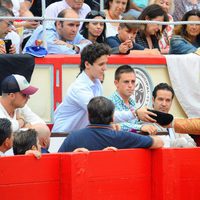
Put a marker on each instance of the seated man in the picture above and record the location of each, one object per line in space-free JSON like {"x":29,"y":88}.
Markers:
{"x":163,"y":95}
{"x":125,"y":79}
{"x":124,"y":41}
{"x":26,"y":143}
{"x":6,"y":135}
{"x":15,"y":93}
{"x":5,"y":28}
{"x":62,"y":37}
{"x":99,"y":134}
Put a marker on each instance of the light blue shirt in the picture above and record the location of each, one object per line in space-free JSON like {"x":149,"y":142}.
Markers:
{"x":51,"y":35}
{"x":72,"y":114}
{"x":122,"y":109}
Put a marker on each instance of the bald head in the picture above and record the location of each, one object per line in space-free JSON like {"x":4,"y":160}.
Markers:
{"x":67,"y":30}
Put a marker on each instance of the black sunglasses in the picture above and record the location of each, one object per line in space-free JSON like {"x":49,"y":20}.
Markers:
{"x":95,"y":13}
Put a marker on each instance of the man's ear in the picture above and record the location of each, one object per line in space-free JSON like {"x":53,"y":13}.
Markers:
{"x":116,"y":82}
{"x":87,"y":65}
{"x":58,"y":24}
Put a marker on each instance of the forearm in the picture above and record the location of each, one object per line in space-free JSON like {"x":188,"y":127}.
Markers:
{"x":191,"y":126}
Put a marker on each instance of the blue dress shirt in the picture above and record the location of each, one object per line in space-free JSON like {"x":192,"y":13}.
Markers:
{"x":51,"y":35}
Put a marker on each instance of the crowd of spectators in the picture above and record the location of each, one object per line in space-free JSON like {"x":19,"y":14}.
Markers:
{"x":154,"y":36}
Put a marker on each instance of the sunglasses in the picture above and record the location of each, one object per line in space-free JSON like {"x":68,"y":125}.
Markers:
{"x":95,"y":13}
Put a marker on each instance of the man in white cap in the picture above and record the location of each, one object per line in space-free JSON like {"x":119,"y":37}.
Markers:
{"x":15,"y":94}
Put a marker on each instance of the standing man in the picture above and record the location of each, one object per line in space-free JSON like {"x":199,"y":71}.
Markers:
{"x":100,"y":134}
{"x":15,"y":93}
{"x":163,"y":95}
{"x":122,"y":98}
{"x":62,"y":37}
{"x":6,"y":135}
{"x":71,"y":114}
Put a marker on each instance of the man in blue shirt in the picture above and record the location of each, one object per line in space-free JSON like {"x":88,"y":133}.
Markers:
{"x":62,"y":37}
{"x":100,"y":134}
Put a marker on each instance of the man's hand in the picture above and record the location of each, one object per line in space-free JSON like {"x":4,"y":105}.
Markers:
{"x":144,"y":115}
{"x":152,"y":130}
{"x":81,"y":150}
{"x":116,"y":127}
{"x":12,"y":49}
{"x":36,"y":153}
{"x":125,"y":46}
{"x":110,"y":149}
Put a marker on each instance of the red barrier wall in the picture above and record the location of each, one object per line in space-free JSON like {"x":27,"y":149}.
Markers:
{"x":164,"y":174}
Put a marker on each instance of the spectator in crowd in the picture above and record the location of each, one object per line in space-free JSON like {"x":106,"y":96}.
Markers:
{"x":124,"y":41}
{"x":15,"y":94}
{"x":94,"y":31}
{"x":71,"y":114}
{"x":114,"y":10}
{"x":26,"y":143}
{"x":137,"y":7}
{"x":183,"y":6}
{"x":6,"y":135}
{"x":125,"y":79}
{"x":99,"y":134}
{"x":6,"y":26}
{"x":163,"y":95}
{"x":168,"y":7}
{"x":149,"y":36}
{"x":187,"y":36}
{"x":78,"y":6}
{"x":62,"y":37}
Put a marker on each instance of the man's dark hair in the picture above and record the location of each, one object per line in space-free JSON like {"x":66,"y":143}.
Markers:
{"x":92,"y":52}
{"x":162,"y":86}
{"x":123,"y":69}
{"x":24,"y":140}
{"x":100,"y":110}
{"x":5,"y":130}
{"x":61,"y":14}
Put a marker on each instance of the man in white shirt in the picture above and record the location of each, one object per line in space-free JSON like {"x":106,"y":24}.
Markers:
{"x":6,"y":136}
{"x":15,"y":93}
{"x":79,"y":6}
{"x":163,"y":95}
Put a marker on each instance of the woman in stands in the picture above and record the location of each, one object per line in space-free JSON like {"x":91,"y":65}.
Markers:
{"x":94,"y":31}
{"x":187,"y":36}
{"x":114,"y":10}
{"x":150,"y":35}
{"x":168,"y":7}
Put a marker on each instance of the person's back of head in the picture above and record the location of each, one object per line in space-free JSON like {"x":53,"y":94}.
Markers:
{"x":92,"y":52}
{"x":24,"y":141}
{"x":5,"y":134}
{"x":100,"y":110}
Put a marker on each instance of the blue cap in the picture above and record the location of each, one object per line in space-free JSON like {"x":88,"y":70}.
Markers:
{"x":36,"y":51}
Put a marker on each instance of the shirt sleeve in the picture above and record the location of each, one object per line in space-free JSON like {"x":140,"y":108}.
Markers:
{"x":133,"y":140}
